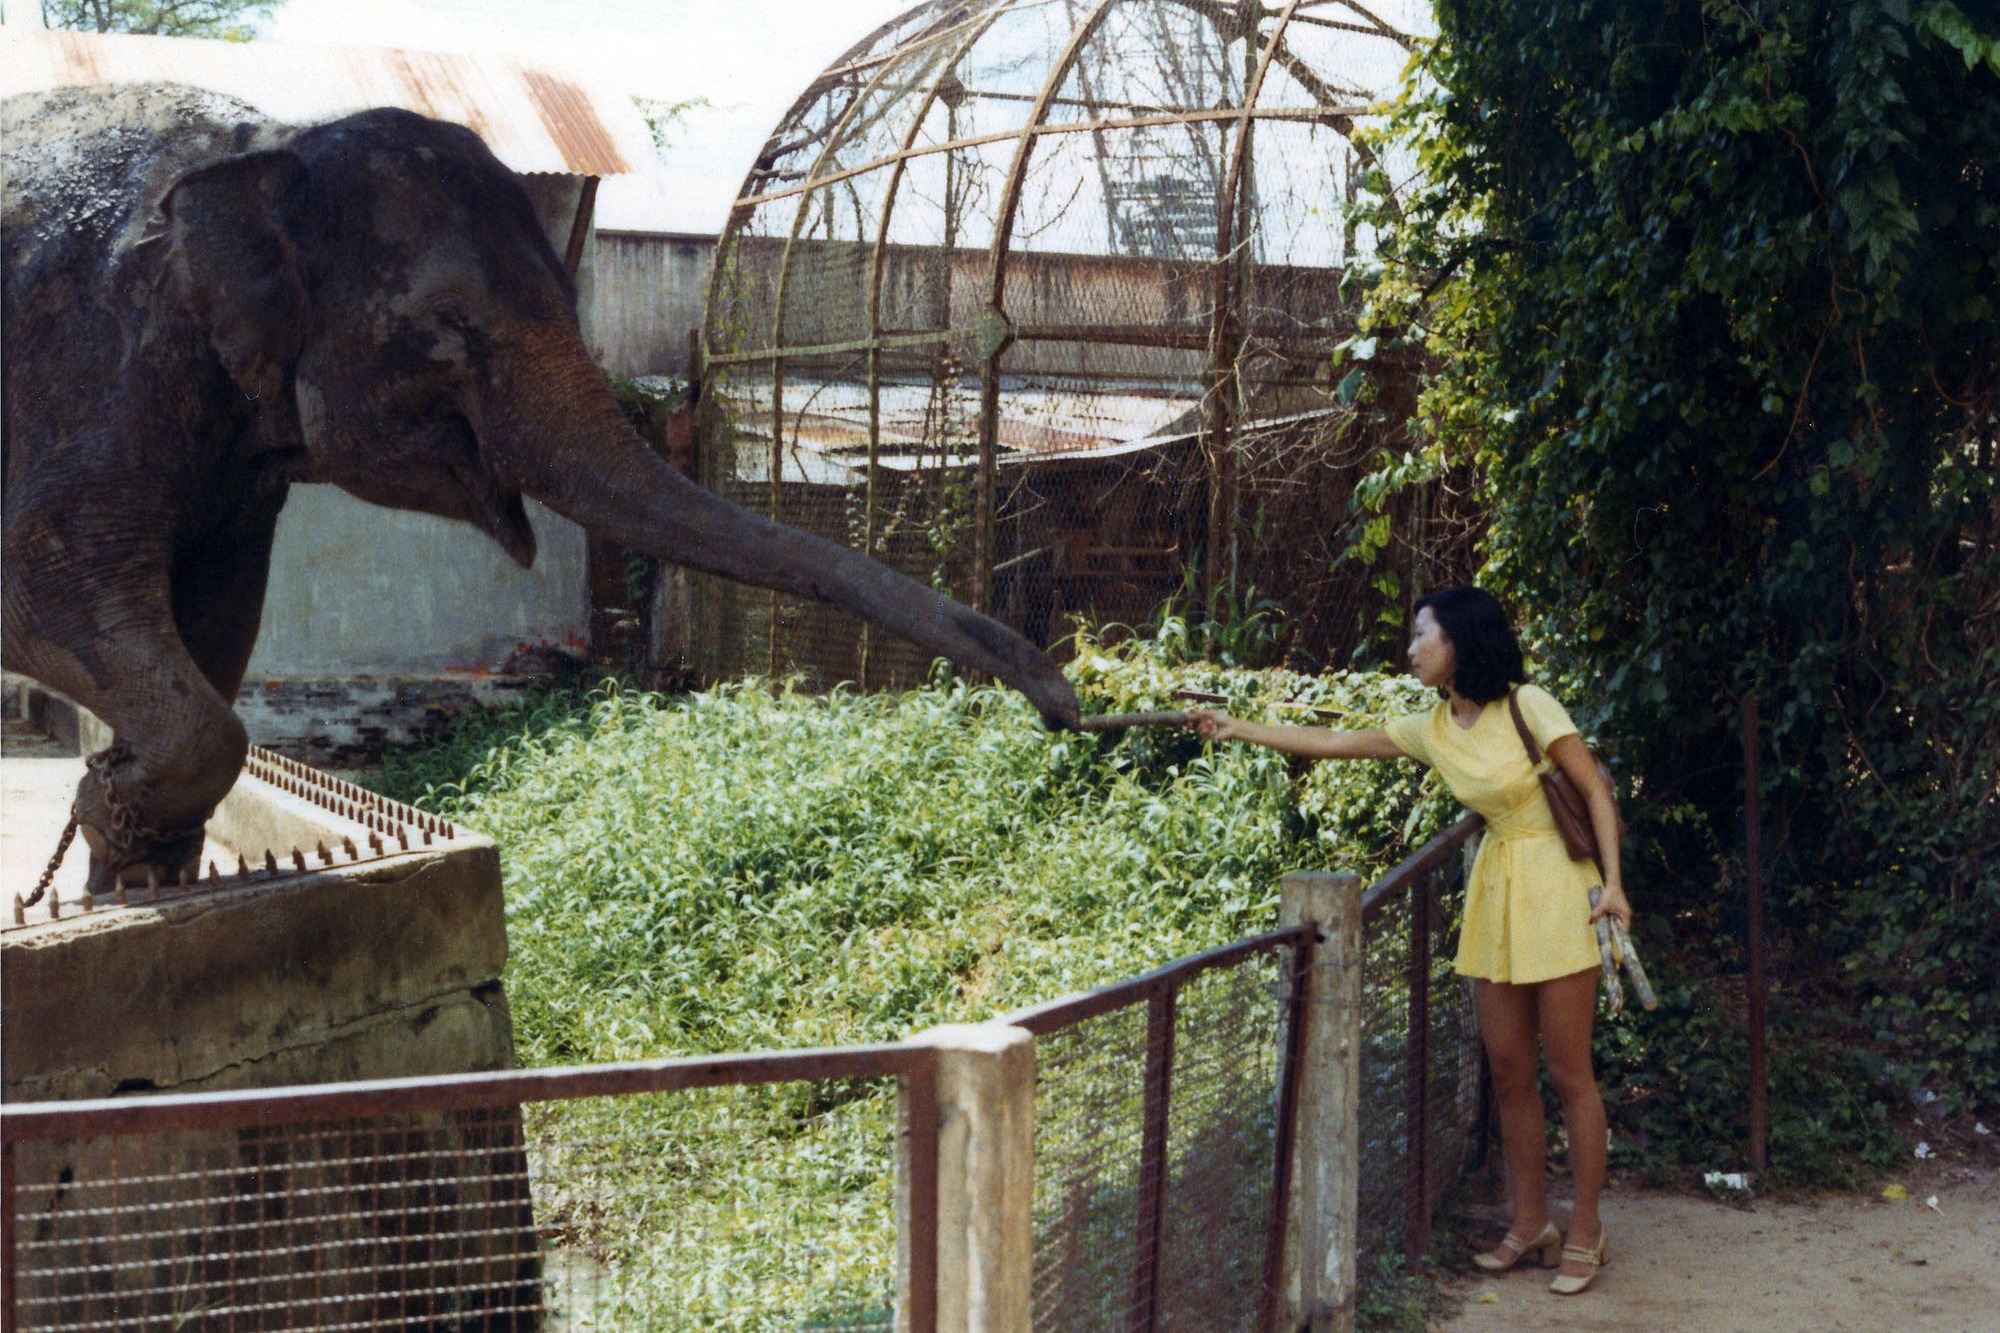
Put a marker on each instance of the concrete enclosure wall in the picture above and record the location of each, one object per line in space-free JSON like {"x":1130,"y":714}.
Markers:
{"x":337,"y":936}
{"x":357,"y":590}
{"x":361,"y":939}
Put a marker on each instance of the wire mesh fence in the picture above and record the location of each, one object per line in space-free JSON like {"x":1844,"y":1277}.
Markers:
{"x":1039,"y":302}
{"x":395,"y":1222}
{"x":752,"y":1205}
{"x":1160,"y":1139}
{"x":1089,"y":1124}
{"x":1420,"y":1055}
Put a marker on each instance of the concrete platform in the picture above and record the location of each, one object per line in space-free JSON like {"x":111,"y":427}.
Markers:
{"x":333,"y":935}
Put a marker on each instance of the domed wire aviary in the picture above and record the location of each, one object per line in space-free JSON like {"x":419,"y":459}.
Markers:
{"x":1023,"y":296}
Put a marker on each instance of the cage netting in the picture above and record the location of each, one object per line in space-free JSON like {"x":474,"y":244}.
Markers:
{"x":1036,"y":300}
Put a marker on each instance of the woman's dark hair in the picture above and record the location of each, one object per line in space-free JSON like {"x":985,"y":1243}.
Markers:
{"x":1489,"y":657}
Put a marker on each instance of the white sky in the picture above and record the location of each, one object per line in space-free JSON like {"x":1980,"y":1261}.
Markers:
{"x":749,"y":58}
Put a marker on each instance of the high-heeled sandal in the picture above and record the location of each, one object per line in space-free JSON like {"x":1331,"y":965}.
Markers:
{"x":1569,"y":1285}
{"x":1544,"y":1247}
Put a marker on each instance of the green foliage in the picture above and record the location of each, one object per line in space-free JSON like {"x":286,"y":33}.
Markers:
{"x":1716,"y":287}
{"x":1674,"y":1084}
{"x":1392,"y":1299}
{"x":666,"y":117}
{"x":169,"y":18}
{"x":1231,"y":627}
{"x":741,"y":869}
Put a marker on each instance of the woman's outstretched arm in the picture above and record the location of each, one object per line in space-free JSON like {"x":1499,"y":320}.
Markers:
{"x":1308,"y":742}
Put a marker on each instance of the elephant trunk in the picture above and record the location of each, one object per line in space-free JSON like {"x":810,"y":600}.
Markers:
{"x":562,"y":439}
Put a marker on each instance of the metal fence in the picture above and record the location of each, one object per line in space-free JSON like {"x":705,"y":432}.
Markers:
{"x":1420,"y":1054}
{"x":794,"y":1190}
{"x":614,"y":1197}
{"x":1162,"y":1137}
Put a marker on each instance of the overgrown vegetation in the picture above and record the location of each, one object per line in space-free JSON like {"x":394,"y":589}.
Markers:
{"x":744,"y":868}
{"x":1715,"y":292}
{"x":752,"y":867}
{"x":749,"y":868}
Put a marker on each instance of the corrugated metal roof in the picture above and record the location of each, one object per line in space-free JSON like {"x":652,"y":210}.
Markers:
{"x":534,"y":118}
{"x":827,"y":442}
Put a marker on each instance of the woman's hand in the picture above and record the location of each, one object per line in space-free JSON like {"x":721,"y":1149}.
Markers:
{"x":1611,"y":902}
{"x":1212,"y":724}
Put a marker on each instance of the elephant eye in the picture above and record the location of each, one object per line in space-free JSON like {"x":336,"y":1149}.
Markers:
{"x":452,"y":328}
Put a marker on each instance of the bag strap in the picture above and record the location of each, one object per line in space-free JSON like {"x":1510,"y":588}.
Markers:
{"x":1521,"y":725}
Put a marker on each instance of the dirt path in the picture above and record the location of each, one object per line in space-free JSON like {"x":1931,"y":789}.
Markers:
{"x":1836,"y":1262}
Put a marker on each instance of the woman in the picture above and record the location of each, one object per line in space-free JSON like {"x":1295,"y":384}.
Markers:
{"x":1529,"y":933}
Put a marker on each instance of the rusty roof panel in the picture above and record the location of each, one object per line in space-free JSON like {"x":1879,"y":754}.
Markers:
{"x":533,"y":118}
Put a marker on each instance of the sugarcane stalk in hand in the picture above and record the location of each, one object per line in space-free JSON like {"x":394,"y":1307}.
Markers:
{"x":1614,"y":946}
{"x":1607,"y":957}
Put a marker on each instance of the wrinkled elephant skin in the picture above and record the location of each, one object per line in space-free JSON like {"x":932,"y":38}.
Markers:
{"x":203,"y":307}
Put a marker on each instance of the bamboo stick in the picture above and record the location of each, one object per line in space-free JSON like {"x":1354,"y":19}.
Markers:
{"x":1641,"y":986}
{"x":1120,"y":721}
{"x":1207,"y":697}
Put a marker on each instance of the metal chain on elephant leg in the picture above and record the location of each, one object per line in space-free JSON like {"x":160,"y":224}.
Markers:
{"x":100,"y":763}
{"x":48,"y":876}
{"x":126,"y":830}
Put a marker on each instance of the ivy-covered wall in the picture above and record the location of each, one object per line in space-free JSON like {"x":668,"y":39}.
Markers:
{"x":1715,"y":285}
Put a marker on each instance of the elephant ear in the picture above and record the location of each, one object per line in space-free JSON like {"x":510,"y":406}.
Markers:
{"x":235,"y":264}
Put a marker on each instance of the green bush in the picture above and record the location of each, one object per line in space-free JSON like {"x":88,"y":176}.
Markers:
{"x":749,"y":867}
{"x":1676,"y":1088}
{"x":1715,"y":293}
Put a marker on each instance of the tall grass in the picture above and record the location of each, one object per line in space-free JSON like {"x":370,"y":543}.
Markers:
{"x":749,"y":867}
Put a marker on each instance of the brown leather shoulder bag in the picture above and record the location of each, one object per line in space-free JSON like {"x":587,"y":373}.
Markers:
{"x":1566,"y":803}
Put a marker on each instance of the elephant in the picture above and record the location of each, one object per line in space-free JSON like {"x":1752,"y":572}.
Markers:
{"x":203,"y":306}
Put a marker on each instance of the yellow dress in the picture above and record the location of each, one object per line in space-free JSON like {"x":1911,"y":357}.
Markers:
{"x":1527,"y":905}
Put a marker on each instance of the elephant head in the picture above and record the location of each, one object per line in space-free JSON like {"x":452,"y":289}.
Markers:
{"x":383,"y":289}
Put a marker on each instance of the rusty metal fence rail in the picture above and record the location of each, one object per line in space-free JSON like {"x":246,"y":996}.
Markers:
{"x":566,"y":1198}
{"x":1420,"y":1056}
{"x":1163,"y":1114}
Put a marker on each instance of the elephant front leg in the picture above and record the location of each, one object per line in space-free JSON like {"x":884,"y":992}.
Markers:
{"x":177,"y":745}
{"x":218,"y":601}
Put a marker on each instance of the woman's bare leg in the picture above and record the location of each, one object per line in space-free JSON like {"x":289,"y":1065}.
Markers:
{"x":1567,"y":1007}
{"x":1508,"y":1018}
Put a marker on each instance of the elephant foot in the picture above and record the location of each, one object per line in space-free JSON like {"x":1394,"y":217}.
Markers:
{"x":145,"y":865}
{"x":125,"y":848}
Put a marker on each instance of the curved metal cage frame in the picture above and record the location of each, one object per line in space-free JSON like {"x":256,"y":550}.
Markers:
{"x":1023,"y":232}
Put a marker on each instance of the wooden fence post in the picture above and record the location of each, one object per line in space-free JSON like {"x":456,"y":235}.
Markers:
{"x":1317,"y":1286}
{"x":985,"y":1178}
